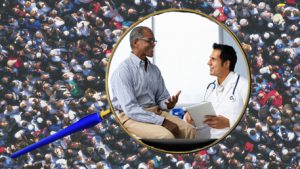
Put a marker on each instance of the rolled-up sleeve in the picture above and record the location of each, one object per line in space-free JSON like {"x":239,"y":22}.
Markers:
{"x":163,"y":105}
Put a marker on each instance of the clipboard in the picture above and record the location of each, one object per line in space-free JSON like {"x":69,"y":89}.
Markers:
{"x":199,"y":111}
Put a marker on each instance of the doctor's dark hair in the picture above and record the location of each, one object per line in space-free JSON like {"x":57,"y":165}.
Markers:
{"x":137,"y":33}
{"x":227,"y":53}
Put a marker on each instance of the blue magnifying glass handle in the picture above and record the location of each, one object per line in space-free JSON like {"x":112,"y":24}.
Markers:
{"x":84,"y":123}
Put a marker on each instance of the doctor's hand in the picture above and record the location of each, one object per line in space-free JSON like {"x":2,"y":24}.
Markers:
{"x":172,"y":127}
{"x":172,"y":100}
{"x":218,"y":122}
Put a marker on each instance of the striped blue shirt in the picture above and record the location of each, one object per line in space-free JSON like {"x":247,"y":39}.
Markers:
{"x":135,"y":89}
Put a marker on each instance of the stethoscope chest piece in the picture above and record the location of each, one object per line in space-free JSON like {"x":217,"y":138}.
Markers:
{"x":231,"y":98}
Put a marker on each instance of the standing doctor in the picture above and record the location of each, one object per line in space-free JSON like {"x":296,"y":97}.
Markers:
{"x":228,"y":93}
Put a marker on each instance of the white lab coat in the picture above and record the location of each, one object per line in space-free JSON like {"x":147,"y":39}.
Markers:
{"x":223,"y":105}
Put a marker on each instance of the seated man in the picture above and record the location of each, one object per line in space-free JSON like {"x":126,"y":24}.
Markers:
{"x":140,"y":94}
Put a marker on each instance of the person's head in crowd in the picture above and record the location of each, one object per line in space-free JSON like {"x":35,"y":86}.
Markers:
{"x":248,"y":165}
{"x":258,"y":127}
{"x":150,"y":164}
{"x":252,"y":132}
{"x":100,"y":165}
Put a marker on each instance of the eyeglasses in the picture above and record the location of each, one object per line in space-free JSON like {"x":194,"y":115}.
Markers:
{"x":151,"y":40}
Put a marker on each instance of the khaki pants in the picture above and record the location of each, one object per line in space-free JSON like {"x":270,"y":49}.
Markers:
{"x":153,"y":131}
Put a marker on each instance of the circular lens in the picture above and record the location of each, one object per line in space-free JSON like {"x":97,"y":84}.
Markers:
{"x":164,"y":95}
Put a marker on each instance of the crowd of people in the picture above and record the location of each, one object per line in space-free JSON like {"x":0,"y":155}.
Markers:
{"x":53,"y":57}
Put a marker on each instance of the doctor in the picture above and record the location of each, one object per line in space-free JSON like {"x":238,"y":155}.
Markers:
{"x":228,"y":93}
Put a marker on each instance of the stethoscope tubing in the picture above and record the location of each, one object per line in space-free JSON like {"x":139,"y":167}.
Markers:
{"x":214,"y":86}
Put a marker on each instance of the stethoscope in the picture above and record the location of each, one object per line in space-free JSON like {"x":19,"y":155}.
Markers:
{"x":213,"y":84}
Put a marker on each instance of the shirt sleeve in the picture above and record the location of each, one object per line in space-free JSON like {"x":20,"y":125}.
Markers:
{"x":242,"y":93}
{"x":122,"y":88}
{"x":163,"y":105}
{"x":162,"y":93}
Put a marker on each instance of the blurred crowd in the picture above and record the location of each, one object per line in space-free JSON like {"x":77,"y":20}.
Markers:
{"x":53,"y":56}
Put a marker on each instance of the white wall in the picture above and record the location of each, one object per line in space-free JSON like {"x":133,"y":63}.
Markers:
{"x":241,"y":66}
{"x":182,"y":52}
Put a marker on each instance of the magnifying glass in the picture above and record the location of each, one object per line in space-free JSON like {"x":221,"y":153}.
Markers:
{"x":95,"y":118}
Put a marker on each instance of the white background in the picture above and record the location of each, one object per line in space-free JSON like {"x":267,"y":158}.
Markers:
{"x":182,"y":52}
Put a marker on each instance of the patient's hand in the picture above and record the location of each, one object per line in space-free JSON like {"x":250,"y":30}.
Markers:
{"x":218,"y":122}
{"x":172,"y":100}
{"x":172,"y":127}
{"x":187,"y":118}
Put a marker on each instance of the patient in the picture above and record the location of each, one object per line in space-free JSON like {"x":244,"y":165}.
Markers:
{"x":140,"y":94}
